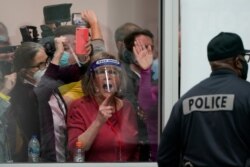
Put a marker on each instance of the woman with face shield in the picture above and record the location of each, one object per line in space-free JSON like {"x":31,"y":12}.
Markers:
{"x":102,"y":120}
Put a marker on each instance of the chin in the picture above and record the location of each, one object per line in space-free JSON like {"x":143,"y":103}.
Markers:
{"x":105,"y":93}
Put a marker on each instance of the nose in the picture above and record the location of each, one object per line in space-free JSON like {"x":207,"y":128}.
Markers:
{"x":107,"y":74}
{"x":107,"y":78}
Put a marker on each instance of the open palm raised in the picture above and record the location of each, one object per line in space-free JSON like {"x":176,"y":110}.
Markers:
{"x":143,"y":54}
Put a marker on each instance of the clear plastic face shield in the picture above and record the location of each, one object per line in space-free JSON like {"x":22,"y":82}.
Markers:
{"x":107,"y":74}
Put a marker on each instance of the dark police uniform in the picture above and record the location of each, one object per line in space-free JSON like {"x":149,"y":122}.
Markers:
{"x":210,"y":124}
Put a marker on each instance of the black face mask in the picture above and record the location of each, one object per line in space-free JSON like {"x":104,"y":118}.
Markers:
{"x":244,"y":69}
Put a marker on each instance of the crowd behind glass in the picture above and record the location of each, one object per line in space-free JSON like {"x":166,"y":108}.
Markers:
{"x":107,"y":102}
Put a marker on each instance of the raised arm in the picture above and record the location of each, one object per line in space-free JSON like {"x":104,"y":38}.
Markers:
{"x":91,"y":18}
{"x":96,"y":33}
{"x":105,"y":111}
{"x":147,"y":95}
{"x":66,"y":74}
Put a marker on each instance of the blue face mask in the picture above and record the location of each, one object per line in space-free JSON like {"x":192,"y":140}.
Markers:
{"x":64,"y":61}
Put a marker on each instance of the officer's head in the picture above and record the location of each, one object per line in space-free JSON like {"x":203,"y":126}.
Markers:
{"x":226,"y":50}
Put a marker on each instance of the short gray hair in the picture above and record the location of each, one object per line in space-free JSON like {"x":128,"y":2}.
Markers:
{"x":125,"y":29}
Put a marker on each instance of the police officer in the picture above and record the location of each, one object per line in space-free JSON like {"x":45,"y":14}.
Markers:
{"x":210,"y":124}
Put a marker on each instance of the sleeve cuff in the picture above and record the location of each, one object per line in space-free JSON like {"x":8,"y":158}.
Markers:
{"x":4,"y":97}
{"x":98,"y":46}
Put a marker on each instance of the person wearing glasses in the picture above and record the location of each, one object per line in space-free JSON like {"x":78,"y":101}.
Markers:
{"x":210,"y":124}
{"x":31,"y":63}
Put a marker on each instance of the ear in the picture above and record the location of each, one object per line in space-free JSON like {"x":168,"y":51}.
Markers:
{"x":237,"y":63}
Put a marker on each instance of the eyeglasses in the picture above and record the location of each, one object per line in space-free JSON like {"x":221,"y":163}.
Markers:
{"x":247,"y":58}
{"x":41,"y":65}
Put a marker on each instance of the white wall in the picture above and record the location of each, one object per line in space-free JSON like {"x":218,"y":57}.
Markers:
{"x":200,"y":22}
{"x":111,"y":14}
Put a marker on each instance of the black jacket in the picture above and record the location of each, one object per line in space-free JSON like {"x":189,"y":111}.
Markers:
{"x":23,"y":120}
{"x":210,"y":124}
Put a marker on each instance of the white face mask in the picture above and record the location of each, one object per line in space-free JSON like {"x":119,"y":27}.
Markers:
{"x":38,"y":75}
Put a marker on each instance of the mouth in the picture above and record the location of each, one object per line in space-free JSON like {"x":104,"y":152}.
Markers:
{"x":107,"y":87}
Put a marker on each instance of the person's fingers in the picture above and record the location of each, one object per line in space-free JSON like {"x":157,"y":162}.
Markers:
{"x":107,"y":100}
{"x":135,"y":52}
{"x":106,"y":112}
{"x":137,"y":48}
{"x":149,"y":48}
{"x":11,"y":78}
{"x":89,"y":15}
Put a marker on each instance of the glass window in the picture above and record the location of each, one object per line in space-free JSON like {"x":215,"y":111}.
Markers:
{"x":146,"y":102}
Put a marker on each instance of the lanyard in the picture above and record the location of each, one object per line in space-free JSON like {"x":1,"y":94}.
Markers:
{"x":60,"y":103}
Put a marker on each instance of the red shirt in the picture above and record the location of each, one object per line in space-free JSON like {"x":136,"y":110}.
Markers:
{"x":117,"y":138}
